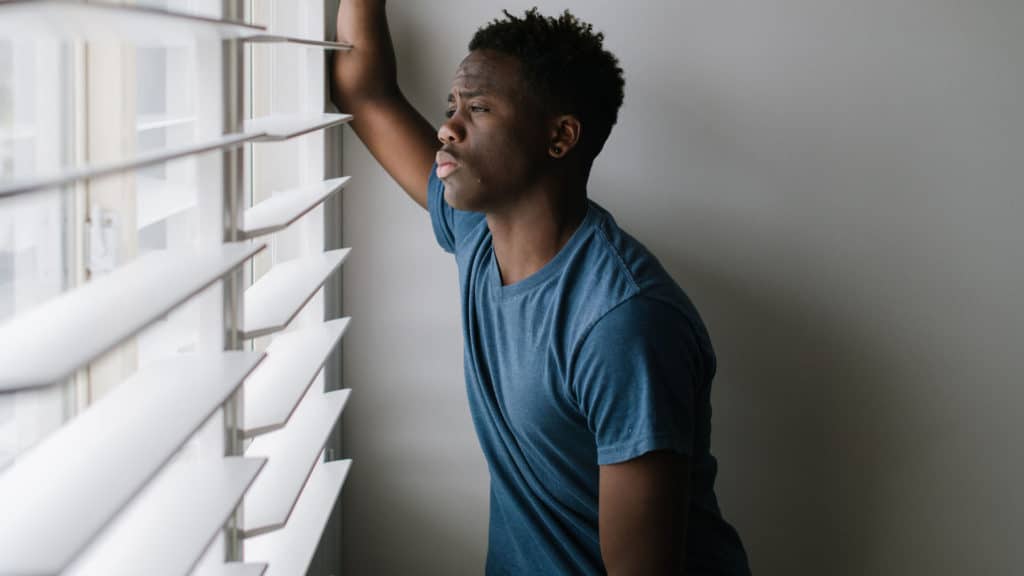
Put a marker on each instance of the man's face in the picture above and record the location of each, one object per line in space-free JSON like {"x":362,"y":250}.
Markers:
{"x":494,"y":141}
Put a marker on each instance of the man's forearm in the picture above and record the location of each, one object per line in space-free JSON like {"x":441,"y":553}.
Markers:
{"x":368,"y":71}
{"x":365,"y":84}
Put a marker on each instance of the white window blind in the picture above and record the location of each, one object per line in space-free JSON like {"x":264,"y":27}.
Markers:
{"x":162,"y":263}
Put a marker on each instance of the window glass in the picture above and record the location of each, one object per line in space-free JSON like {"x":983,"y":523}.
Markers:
{"x":167,"y":212}
{"x":34,"y":255}
{"x":208,"y":8}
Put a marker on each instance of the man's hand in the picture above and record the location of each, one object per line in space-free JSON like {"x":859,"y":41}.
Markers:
{"x":643,"y":510}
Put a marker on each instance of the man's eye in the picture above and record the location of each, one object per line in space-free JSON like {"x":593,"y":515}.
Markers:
{"x":449,"y":113}
{"x":477,"y":108}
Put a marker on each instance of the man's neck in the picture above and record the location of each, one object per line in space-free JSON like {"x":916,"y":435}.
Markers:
{"x":530,"y":234}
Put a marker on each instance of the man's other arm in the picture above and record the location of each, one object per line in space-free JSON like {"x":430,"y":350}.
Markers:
{"x":642,"y":512}
{"x":365,"y":84}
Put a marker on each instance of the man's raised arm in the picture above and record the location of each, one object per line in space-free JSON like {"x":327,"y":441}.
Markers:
{"x":365,"y":84}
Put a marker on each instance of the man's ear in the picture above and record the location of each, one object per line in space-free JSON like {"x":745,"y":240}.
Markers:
{"x":565,"y":135}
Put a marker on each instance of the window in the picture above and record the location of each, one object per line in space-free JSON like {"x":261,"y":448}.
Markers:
{"x":35,"y":260}
{"x":162,"y":260}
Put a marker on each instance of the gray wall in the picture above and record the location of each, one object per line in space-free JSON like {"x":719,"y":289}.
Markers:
{"x":838,"y":186}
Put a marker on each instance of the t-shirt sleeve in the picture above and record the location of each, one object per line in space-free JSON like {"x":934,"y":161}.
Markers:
{"x":635,"y":377}
{"x":449,"y":224}
{"x":441,"y":214}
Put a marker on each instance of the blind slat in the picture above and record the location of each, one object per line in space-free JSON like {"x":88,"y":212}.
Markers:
{"x":57,"y":496}
{"x":72,"y":175}
{"x":293,"y":360}
{"x":290,"y":550}
{"x":277,"y":127}
{"x":235,"y":569}
{"x":278,"y":39}
{"x":285,"y":207}
{"x":272,"y":302}
{"x":292,"y":452}
{"x":101,"y":21}
{"x":179,"y":515}
{"x":51,"y":341}
{"x":265,"y":129}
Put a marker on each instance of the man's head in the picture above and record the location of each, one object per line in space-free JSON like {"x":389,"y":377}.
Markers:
{"x":536,"y":95}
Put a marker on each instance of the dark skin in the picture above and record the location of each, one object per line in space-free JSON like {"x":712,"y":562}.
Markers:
{"x":503,"y":153}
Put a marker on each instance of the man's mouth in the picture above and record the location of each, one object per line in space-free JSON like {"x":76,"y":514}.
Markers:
{"x":443,"y":170}
{"x":446,"y":164}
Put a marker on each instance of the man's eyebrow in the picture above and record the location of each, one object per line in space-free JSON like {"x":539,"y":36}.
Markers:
{"x":466,"y":94}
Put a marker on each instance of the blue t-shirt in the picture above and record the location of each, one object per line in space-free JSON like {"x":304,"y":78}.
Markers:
{"x":597,"y":358}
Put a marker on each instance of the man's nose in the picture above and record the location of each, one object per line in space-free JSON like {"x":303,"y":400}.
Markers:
{"x":451,"y":131}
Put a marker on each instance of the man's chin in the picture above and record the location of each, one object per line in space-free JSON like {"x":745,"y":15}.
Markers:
{"x":458,"y":200}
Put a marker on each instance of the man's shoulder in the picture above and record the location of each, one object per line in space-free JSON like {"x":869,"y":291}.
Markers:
{"x":625,"y":289}
{"x":637,"y":262}
{"x":616,"y":267}
{"x":615,"y":274}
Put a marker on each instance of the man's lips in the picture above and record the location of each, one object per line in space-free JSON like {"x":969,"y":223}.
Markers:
{"x":446,"y":164}
{"x":443,"y":170}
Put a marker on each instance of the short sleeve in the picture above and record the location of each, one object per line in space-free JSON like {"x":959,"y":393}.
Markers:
{"x":441,"y":214}
{"x":635,"y":378}
{"x":450,"y":225}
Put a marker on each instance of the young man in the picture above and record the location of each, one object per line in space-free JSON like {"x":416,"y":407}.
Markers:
{"x":587,"y":368}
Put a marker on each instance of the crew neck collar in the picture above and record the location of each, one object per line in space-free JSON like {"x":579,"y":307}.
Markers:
{"x":549,"y":270}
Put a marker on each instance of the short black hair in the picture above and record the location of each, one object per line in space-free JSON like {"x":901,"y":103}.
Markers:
{"x":564,"y":62}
